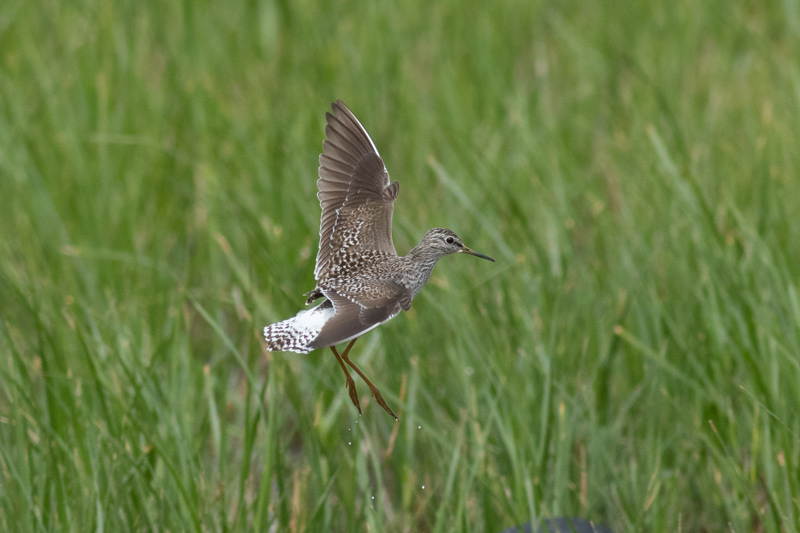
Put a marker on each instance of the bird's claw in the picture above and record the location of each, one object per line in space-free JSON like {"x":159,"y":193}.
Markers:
{"x":351,"y":386}
{"x":379,"y":398}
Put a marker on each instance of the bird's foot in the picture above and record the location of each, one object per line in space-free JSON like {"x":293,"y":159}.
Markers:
{"x":351,"y":387}
{"x":379,"y":398}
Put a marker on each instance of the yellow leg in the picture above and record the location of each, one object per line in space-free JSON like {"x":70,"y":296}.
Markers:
{"x":349,"y":383}
{"x":375,"y":392}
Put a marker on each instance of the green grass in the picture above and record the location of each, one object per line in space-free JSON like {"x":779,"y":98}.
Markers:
{"x":633,"y":357}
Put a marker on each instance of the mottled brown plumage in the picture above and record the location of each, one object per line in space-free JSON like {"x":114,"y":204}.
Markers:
{"x":358,"y":271}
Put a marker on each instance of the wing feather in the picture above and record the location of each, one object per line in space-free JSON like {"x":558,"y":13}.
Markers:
{"x":355,"y":193}
{"x":360,"y":308}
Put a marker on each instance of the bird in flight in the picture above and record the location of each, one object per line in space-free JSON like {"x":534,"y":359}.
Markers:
{"x":358,"y":272}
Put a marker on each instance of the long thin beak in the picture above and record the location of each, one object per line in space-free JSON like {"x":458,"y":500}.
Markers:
{"x":466,"y":250}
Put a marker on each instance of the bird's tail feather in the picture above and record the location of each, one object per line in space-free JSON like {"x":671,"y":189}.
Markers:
{"x":296,"y":333}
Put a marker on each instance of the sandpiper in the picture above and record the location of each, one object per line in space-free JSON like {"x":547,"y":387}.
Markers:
{"x":358,"y":272}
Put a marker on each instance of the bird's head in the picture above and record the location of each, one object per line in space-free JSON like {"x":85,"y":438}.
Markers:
{"x":443,"y":242}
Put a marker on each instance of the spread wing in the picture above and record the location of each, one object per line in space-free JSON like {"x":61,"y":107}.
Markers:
{"x":359,"y":308}
{"x":355,"y":192}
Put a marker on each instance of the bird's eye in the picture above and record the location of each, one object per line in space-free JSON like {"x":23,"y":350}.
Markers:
{"x":449,"y":240}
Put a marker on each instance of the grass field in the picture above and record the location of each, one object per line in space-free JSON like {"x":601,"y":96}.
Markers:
{"x":633,"y":357}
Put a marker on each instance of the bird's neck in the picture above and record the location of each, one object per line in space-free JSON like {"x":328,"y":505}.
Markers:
{"x":423,"y":261}
{"x":422,"y":255}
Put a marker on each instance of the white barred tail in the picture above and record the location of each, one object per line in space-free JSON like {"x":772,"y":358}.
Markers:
{"x":295,"y":334}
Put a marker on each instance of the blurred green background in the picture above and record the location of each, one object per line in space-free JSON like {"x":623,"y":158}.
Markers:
{"x":633,"y":357}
